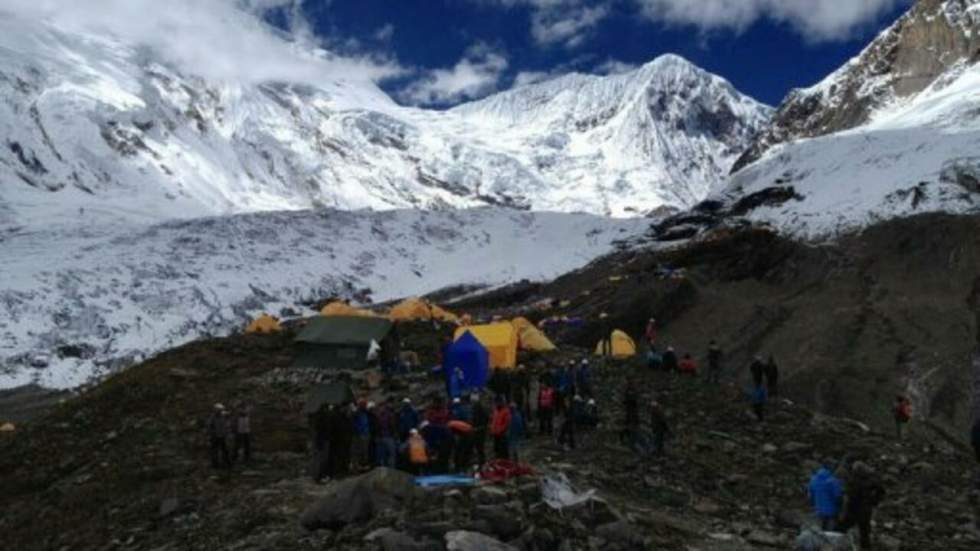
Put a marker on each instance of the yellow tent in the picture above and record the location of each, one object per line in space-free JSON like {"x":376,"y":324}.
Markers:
{"x":338,"y":308}
{"x":418,"y":309}
{"x":622,"y":346}
{"x":530,"y":337}
{"x":500,"y":340}
{"x":264,"y":324}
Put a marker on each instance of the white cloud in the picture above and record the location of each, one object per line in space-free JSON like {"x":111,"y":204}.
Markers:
{"x":566,"y":24}
{"x":613,"y":67}
{"x":384,"y":33}
{"x":525,"y":78}
{"x":218,"y":39}
{"x":815,"y":20}
{"x":475,"y":75}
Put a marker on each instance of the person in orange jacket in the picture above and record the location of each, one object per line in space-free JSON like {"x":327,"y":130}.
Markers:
{"x":417,"y":451}
{"x":688,"y":366}
{"x":499,"y":426}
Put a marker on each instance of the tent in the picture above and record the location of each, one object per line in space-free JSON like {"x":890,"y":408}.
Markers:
{"x":469,"y":355}
{"x":531,"y":338}
{"x":520,"y":323}
{"x":622,"y":346}
{"x":328,"y":394}
{"x":500,"y":340}
{"x":344,"y":342}
{"x":338,"y":308}
{"x":264,"y":324}
{"x":417,"y":309}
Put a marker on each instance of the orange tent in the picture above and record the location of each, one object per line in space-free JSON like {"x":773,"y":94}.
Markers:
{"x":338,"y":308}
{"x":418,"y":309}
{"x":264,"y":324}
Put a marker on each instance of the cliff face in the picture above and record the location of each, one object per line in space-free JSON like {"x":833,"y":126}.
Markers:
{"x":926,"y":48}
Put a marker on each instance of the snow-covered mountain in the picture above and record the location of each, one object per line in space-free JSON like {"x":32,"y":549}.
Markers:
{"x":82,"y":303}
{"x":94,"y":125}
{"x":894,"y":132}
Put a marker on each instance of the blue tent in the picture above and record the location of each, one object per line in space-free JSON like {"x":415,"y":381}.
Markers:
{"x":469,"y":355}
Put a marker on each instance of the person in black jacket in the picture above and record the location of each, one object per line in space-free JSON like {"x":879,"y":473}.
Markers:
{"x":340,"y":439}
{"x":758,"y":370}
{"x":714,"y":363}
{"x":864,"y":493}
{"x":659,"y":427}
{"x":481,"y":421}
{"x":772,"y":377}
{"x":975,"y":438}
{"x":669,"y":360}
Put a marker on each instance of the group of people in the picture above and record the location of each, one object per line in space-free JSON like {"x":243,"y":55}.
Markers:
{"x":863,"y":493}
{"x":222,"y":426}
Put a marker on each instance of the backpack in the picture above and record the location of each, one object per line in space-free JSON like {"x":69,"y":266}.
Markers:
{"x":547,"y":398}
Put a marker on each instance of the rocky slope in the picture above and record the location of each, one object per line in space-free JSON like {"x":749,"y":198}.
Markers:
{"x":88,"y":477}
{"x":926,"y":48}
{"x":94,"y":122}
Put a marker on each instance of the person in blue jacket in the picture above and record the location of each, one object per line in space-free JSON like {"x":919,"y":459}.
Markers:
{"x":408,"y":419}
{"x":759,"y":399}
{"x":826,"y":493}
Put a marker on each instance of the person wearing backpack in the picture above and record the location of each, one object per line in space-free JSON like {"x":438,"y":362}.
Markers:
{"x":546,"y":408}
{"x":864,"y":493}
{"x":902,"y":411}
{"x":826,"y":493}
{"x":417,"y":451}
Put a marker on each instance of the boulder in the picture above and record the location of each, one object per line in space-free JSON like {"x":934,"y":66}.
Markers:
{"x":392,"y":540}
{"x":359,"y":499}
{"x":620,"y":532}
{"x":461,"y":540}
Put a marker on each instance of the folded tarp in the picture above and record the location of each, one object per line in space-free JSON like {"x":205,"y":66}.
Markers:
{"x":444,"y":480}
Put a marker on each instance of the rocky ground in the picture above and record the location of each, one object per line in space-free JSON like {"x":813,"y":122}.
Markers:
{"x":124,"y":466}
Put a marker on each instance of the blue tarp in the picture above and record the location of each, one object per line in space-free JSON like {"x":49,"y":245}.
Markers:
{"x":444,"y":480}
{"x":472,"y":358}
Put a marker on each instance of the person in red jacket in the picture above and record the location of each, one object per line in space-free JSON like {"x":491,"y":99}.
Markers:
{"x":546,"y":407}
{"x":651,"y":332}
{"x":499,"y":426}
{"x":688,"y":366}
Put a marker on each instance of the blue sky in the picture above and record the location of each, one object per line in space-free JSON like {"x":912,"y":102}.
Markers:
{"x":454,"y":50}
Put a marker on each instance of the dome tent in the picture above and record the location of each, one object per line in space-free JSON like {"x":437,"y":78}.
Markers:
{"x":416,"y":308}
{"x":264,"y":324}
{"x":471,"y":357}
{"x":500,"y":340}
{"x":338,"y":308}
{"x":622,"y":346}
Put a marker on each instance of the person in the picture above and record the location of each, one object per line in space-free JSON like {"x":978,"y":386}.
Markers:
{"x":605,"y":332}
{"x":463,"y":433}
{"x":772,"y":377}
{"x":341,"y":440}
{"x":864,"y":493}
{"x":218,"y":437}
{"x":408,"y":419}
{"x":655,"y":360}
{"x":386,"y":433}
{"x":590,"y":417}
{"x":418,"y":453}
{"x":826,"y":493}
{"x":584,"y":378}
{"x":439,"y":445}
{"x":759,"y":398}
{"x":563,"y":388}
{"x":481,"y":423}
{"x":243,"y":435}
{"x":499,"y":426}
{"x":320,"y":425}
{"x":437,"y":413}
{"x":669,"y":361}
{"x":651,"y":333}
{"x":902,"y":410}
{"x":546,"y":407}
{"x":714,"y":362}
{"x":360,"y":447}
{"x":659,"y":427}
{"x":688,"y":366}
{"x":975,"y":438}
{"x":566,"y":436}
{"x":516,"y":432}
{"x":757,"y":368}
{"x":520,"y":389}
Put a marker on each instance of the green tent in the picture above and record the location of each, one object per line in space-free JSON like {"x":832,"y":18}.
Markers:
{"x":343,"y":342}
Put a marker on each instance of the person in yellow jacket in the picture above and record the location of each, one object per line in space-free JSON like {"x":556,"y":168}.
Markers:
{"x":417,"y":451}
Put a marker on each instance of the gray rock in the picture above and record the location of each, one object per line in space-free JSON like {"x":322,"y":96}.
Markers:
{"x":359,"y":499}
{"x":620,"y":532}
{"x":169,"y":506}
{"x":392,"y":540}
{"x":461,"y":540}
